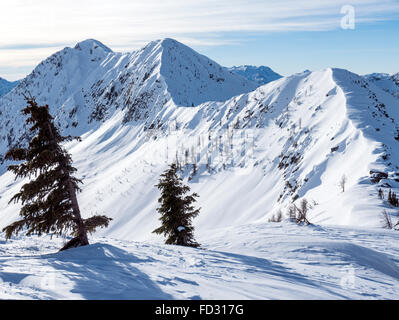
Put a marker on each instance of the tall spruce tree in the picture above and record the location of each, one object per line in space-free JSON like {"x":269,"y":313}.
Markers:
{"x":49,"y":200}
{"x":176,"y":210}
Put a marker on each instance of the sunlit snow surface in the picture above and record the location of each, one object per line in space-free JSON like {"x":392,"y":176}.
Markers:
{"x":259,"y":261}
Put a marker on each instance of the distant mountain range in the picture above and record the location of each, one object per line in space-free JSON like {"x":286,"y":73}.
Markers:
{"x":389,"y":83}
{"x":261,"y":75}
{"x":6,"y":86}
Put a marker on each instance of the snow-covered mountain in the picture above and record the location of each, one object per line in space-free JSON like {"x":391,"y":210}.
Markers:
{"x":388,"y":83}
{"x":256,"y":151}
{"x":261,"y":75}
{"x":87,"y":84}
{"x":293,"y":138}
{"x":6,"y":86}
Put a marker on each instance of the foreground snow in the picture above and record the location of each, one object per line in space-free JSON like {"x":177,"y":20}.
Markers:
{"x":259,"y":261}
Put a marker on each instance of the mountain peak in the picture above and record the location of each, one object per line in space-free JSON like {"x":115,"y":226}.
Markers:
{"x":91,"y":44}
{"x":164,"y":43}
{"x":193,"y":78}
{"x":170,"y":42}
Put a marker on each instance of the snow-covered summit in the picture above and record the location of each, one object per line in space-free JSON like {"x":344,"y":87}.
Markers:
{"x":192,"y":78}
{"x":92,"y":44}
{"x":87,"y":84}
{"x":260,"y":75}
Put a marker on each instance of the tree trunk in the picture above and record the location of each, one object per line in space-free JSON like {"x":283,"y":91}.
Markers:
{"x":82,"y":232}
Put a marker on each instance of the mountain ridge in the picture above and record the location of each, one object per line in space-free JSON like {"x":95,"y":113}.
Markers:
{"x":255,"y":153}
{"x":86,"y":84}
{"x":388,"y":83}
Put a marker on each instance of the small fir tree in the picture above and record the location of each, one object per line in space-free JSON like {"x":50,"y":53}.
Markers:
{"x":176,"y":209}
{"x":381,"y":194}
{"x":395,"y":201}
{"x":342,"y":182}
{"x":303,"y":212}
{"x":299,"y":215}
{"x":392,"y":199}
{"x":386,"y":220}
{"x":49,"y":202}
{"x":292,"y":214}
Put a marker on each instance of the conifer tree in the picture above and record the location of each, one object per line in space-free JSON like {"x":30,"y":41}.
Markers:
{"x":392,"y":199}
{"x":49,"y":202}
{"x":380,"y":194}
{"x":176,"y":209}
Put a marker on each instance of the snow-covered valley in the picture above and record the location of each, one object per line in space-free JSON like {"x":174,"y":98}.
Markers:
{"x":249,"y":151}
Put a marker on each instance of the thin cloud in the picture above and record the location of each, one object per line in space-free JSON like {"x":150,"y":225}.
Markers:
{"x":54,"y":21}
{"x":27,"y":46}
{"x":37,"y":27}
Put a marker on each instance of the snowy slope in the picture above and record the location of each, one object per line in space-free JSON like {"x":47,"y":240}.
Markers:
{"x":6,"y":86}
{"x":265,"y":261}
{"x":388,"y":83}
{"x":85,"y":85}
{"x":256,"y":153}
{"x":261,"y":75}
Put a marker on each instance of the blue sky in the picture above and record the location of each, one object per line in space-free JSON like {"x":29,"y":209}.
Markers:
{"x":289,"y":36}
{"x":371,"y":47}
